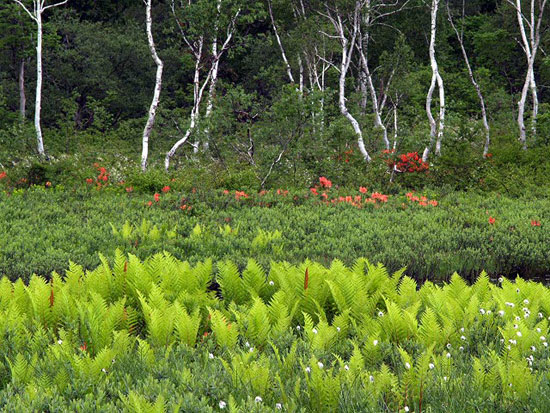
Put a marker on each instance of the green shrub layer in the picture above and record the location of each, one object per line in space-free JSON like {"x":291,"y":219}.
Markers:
{"x":162,"y":335}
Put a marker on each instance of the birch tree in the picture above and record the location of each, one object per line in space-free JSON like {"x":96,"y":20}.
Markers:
{"x":36,"y":14}
{"x":197,"y":31}
{"x":460,"y":38}
{"x":530,"y":45}
{"x":158,"y":86}
{"x":345,"y":20}
{"x":436,"y":128}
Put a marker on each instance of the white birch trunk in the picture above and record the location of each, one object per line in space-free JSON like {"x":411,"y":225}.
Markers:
{"x":530,"y":47}
{"x":39,"y":7}
{"x":436,"y":133}
{"x":460,"y":38}
{"x":283,"y":54}
{"x":158,"y":86}
{"x":22,"y":96}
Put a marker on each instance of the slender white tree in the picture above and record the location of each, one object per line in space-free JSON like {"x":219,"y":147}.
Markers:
{"x":530,"y":47}
{"x":346,"y":28}
{"x":460,"y":37}
{"x":436,"y":129}
{"x":36,"y":14}
{"x":158,"y":86}
{"x":196,"y":42}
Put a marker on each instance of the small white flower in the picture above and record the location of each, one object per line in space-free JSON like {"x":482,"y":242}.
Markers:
{"x":380,"y":314}
{"x":104,"y":371}
{"x":518,"y":318}
{"x":509,"y":384}
{"x":533,"y":348}
{"x":375,"y":342}
{"x":500,"y":280}
{"x":462,"y":338}
{"x":222,"y":404}
{"x":448,"y":355}
{"x":449,"y":345}
{"x":321,"y":365}
{"x":298,"y":328}
{"x":271,"y":283}
{"x":210,"y":356}
{"x":538,"y":330}
{"x":346,"y":367}
{"x":489,"y":312}
{"x":308,"y":370}
{"x":540,"y":315}
{"x":482,"y":311}
{"x":407,"y":366}
{"x":508,"y":347}
{"x":258,"y":399}
{"x":314,"y":331}
{"x":461,"y":348}
{"x":525,"y":309}
{"x":517,"y":290}
{"x":338,"y":329}
{"x":59,"y":341}
{"x":371,"y":378}
{"x":462,"y":330}
{"x":512,"y":341}
{"x":502,"y":340}
{"x":251,"y":349}
{"x":509,"y":304}
{"x":445,"y":378}
{"x":278,"y":406}
{"x":545,"y":344}
{"x":501,"y":313}
{"x":526,"y":301}
{"x":526,"y":315}
{"x":431,"y":366}
{"x":542,"y":338}
{"x":406,"y":408}
{"x":247,"y":344}
{"x":516,"y":326}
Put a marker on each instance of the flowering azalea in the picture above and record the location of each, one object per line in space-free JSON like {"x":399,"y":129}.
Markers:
{"x":89,"y":180}
{"x":492,"y":220}
{"x":157,"y":197}
{"x":325,"y":183}
{"x":84,"y":347}
{"x":166,"y":189}
{"x":48,"y":184}
{"x":313,"y":191}
{"x":130,"y":189}
{"x":3,"y":175}
{"x":149,"y":203}
{"x":363,"y":190}
{"x":535,"y":223}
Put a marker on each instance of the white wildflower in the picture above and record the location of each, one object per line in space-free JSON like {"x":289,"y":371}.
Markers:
{"x":545,"y":344}
{"x":380,"y":314}
{"x":59,"y":341}
{"x":321,"y":365}
{"x":406,"y":408}
{"x":448,"y":345}
{"x":346,"y":367}
{"x":518,"y":333}
{"x":462,"y":338}
{"x":501,"y":313}
{"x":482,"y":311}
{"x":540,"y":315}
{"x":278,"y":406}
{"x":375,"y":342}
{"x":448,"y":355}
{"x":542,"y":338}
{"x":431,"y":366}
{"x":271,"y":283}
{"x":500,"y":280}
{"x":533,"y":348}
{"x":210,"y":356}
{"x":445,"y":378}
{"x":104,"y":371}
{"x":308,"y":370}
{"x":222,"y":404}
{"x":407,"y":366}
{"x":251,"y":349}
{"x":516,"y":326}
{"x":518,"y":318}
{"x":314,"y":331}
{"x":526,"y":301}
{"x":247,"y":344}
{"x":461,"y":348}
{"x":371,"y":378}
{"x":538,"y":330}
{"x":338,"y":329}
{"x":462,"y":330}
{"x":258,"y":399}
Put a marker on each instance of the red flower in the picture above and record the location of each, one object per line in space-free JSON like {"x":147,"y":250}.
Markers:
{"x":492,"y":220}
{"x":130,"y":189}
{"x":84,"y":347}
{"x":325,"y":183}
{"x":3,"y":175}
{"x":433,"y":202}
{"x":363,"y":190}
{"x":166,"y":189}
{"x":89,"y":180}
{"x":149,"y":203}
{"x":225,"y":191}
{"x":313,"y":191}
{"x":157,"y":197}
{"x":535,"y":223}
{"x":48,"y":184}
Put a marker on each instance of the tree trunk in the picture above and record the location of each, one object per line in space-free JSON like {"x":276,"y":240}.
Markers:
{"x":436,"y":133}
{"x":158,"y":86}
{"x":22,"y":96}
{"x":38,"y":104}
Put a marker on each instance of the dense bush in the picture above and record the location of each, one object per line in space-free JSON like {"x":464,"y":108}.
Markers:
{"x":154,"y":336}
{"x":43,"y":228}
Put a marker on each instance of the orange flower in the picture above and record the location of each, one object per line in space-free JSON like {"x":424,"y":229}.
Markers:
{"x":3,"y":175}
{"x":149,"y":203}
{"x":48,"y":184}
{"x":363,"y":190}
{"x":89,"y":180}
{"x":535,"y":223}
{"x":492,"y":220}
{"x":313,"y":191}
{"x":130,"y":189}
{"x":225,"y":191}
{"x":433,"y":202}
{"x":157,"y":197}
{"x":166,"y":189}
